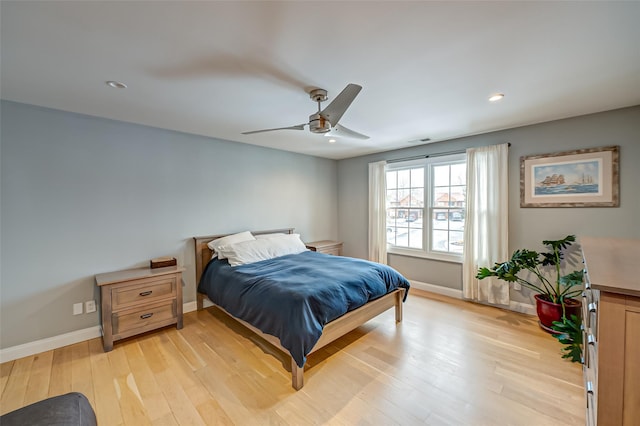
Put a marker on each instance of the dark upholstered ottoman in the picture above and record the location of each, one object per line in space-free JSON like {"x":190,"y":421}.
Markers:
{"x":64,"y":410}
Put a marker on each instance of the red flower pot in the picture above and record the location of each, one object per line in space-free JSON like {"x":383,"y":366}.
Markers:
{"x":548,"y":312}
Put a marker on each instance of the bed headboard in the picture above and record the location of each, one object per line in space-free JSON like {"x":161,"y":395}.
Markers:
{"x":204,"y":253}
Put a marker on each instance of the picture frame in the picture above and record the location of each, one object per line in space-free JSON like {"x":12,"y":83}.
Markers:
{"x":580,"y":178}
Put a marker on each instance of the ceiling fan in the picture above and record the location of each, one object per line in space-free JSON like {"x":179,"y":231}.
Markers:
{"x":326,"y":120}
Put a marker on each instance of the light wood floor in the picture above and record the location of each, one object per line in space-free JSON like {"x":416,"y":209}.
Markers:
{"x":448,"y":363}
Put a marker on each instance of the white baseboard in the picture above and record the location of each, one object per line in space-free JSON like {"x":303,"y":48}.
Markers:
{"x":438,"y":289}
{"x":523,"y":308}
{"x":457,"y":294}
{"x":55,"y":342}
{"x":50,"y":343}
{"x":192,"y":306}
{"x":189,"y":307}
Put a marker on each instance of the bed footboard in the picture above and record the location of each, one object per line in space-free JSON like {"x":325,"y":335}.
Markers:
{"x":350,"y":321}
{"x":332,"y":331}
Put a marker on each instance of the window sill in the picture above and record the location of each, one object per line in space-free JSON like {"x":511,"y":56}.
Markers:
{"x":422,"y":255}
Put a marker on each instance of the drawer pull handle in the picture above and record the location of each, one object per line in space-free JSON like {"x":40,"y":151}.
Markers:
{"x":592,"y":307}
{"x":145,"y":316}
{"x":146,"y":293}
{"x":589,"y":387}
{"x":585,"y":278}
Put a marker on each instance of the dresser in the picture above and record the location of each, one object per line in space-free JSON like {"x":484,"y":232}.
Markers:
{"x":326,"y":246}
{"x":135,"y":301}
{"x":611,"y":313}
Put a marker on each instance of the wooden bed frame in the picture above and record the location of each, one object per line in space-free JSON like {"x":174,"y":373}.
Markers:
{"x":332,"y":331}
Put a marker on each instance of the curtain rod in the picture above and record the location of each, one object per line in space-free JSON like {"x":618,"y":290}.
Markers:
{"x":439,"y":154}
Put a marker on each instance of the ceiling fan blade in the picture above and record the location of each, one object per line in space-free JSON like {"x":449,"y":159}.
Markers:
{"x":334,"y":111}
{"x":342,"y":131}
{"x":297,"y":127}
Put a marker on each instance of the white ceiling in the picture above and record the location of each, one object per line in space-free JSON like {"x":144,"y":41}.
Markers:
{"x":221,"y":68}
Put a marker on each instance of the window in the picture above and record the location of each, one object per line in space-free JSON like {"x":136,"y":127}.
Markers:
{"x":426,"y":206}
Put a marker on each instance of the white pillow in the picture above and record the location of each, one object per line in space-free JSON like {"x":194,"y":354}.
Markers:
{"x":265,"y":236}
{"x":257,"y":250}
{"x":229,"y":239}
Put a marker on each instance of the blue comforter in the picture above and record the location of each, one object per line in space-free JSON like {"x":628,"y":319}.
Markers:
{"x":292,"y":297}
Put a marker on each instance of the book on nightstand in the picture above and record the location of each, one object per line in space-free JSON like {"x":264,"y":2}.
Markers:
{"x":163,"y":262}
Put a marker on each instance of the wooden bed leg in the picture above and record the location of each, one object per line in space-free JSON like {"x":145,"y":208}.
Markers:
{"x":297,"y":375}
{"x":199,"y":301}
{"x":399,"y":297}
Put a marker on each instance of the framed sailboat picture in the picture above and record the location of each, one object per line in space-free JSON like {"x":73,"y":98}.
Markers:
{"x":581,"y":178}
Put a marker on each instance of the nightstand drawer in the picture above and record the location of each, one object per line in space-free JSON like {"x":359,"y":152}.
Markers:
{"x":144,"y":291}
{"x":326,"y":246}
{"x":144,"y":318}
{"x":335,"y":251}
{"x":135,"y":301}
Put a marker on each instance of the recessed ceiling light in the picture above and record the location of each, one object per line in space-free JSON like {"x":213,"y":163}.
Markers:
{"x":116,"y":84}
{"x":332,"y":140}
{"x":496,"y":97}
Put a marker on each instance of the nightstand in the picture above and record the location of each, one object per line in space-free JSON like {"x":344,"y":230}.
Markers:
{"x":135,"y":301}
{"x":326,"y":246}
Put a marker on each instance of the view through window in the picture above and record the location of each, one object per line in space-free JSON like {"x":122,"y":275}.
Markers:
{"x":447,"y":207}
{"x":426,"y":205}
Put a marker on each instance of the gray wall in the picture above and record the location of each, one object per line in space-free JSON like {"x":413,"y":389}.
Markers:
{"x":83,"y":195}
{"x":527,"y":226}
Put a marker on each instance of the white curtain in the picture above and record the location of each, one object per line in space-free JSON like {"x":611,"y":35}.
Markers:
{"x":486,"y":224}
{"x":377,"y":212}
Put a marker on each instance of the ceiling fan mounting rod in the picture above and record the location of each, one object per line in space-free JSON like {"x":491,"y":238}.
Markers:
{"x":318,"y":123}
{"x":318,"y":95}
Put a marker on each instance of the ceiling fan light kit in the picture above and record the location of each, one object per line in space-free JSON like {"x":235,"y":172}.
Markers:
{"x":318,"y":124}
{"x":326,"y":120}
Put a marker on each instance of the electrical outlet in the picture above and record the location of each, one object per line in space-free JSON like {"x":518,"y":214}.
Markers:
{"x":90,"y":306}
{"x":77,"y":308}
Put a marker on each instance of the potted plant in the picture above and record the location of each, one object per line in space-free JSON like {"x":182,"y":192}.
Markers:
{"x":554,"y":291}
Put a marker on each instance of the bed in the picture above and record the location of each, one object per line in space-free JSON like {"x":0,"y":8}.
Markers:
{"x":302,"y":333}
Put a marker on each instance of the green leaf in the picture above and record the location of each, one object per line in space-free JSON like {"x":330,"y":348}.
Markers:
{"x":548,"y":259}
{"x":484,"y":273}
{"x":560,"y":244}
{"x":570,"y":335}
{"x":572,"y":279}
